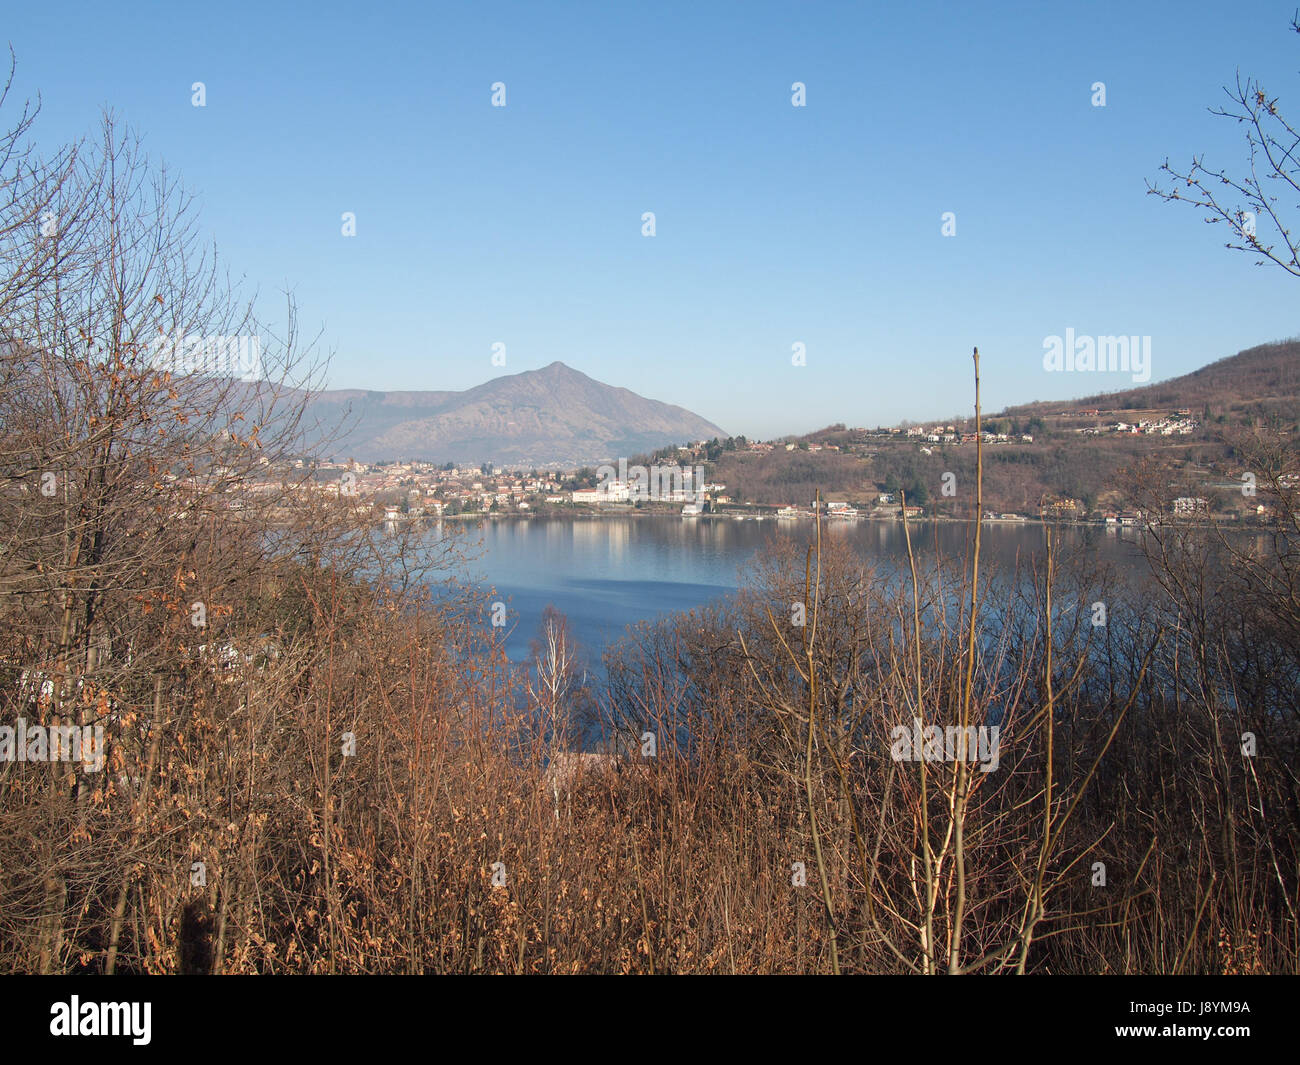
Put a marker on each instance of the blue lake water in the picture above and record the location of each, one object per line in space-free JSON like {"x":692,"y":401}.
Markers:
{"x":607,"y":573}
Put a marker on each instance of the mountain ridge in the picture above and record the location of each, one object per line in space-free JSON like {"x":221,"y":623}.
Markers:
{"x":554,"y":415}
{"x":1265,"y":376}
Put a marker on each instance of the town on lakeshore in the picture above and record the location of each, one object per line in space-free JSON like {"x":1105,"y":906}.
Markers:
{"x":685,"y":480}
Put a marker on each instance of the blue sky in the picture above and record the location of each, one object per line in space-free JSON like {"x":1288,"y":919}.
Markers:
{"x":774,"y":224}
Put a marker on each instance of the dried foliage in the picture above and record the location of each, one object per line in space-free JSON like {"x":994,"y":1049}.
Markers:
{"x":333,"y":767}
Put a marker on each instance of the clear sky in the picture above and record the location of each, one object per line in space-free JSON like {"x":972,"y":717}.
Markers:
{"x":775,"y":224}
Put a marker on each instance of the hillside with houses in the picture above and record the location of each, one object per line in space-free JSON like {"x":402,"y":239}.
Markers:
{"x":1075,"y":461}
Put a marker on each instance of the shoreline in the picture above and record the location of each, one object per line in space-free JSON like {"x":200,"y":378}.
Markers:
{"x":937,"y":519}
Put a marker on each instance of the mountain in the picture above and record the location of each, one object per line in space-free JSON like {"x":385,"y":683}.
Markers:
{"x":547,"y":417}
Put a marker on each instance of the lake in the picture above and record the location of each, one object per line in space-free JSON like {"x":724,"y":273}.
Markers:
{"x":606,"y":573}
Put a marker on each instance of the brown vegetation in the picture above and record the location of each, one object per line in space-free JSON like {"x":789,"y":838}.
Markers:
{"x":333,"y":767}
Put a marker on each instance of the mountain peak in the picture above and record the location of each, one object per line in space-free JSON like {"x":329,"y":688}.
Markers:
{"x":554,"y":414}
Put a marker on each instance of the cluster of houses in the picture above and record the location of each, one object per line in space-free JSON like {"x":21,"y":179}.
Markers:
{"x":1177,"y":423}
{"x":949,"y":434}
{"x":673,"y":489}
{"x":425,"y":489}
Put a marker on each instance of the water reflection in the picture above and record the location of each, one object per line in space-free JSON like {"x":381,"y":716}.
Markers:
{"x":608,"y":573}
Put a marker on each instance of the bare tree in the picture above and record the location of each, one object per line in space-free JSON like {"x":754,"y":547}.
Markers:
{"x":555,"y":680}
{"x":137,"y":466}
{"x":1255,"y":204}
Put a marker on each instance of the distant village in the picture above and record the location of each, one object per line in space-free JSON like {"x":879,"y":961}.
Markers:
{"x":396,"y":491}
